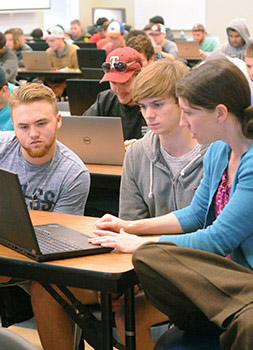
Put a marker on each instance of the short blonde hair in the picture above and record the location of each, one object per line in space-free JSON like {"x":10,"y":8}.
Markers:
{"x":159,"y":79}
{"x":249,"y":50}
{"x":32,"y":92}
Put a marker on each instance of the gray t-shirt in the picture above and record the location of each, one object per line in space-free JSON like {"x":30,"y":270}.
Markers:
{"x":176,"y":164}
{"x":170,"y":47}
{"x":60,"y":185}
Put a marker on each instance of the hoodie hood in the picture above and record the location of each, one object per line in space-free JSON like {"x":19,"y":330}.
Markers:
{"x":240,"y":25}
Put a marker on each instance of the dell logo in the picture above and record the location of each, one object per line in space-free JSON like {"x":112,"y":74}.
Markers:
{"x":87,"y":140}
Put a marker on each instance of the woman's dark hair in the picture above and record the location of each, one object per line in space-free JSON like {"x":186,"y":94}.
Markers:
{"x":219,"y":82}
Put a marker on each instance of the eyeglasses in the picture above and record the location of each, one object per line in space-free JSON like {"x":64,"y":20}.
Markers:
{"x":118,"y":66}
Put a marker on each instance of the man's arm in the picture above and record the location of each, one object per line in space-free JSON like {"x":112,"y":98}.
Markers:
{"x":10,"y":66}
{"x":74,"y":195}
{"x":132,"y":205}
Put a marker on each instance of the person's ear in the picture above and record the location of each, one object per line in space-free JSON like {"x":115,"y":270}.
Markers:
{"x":152,"y":58}
{"x":59,"y":121}
{"x":222,"y":113}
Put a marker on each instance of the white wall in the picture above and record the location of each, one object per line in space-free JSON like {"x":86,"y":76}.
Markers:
{"x":217,"y":13}
{"x":61,"y":12}
{"x":177,"y":14}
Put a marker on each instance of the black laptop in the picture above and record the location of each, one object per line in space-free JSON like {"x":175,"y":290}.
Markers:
{"x":38,"y":45}
{"x":82,"y":93}
{"x":84,"y":45}
{"x":91,"y":58}
{"x":42,"y":242}
{"x":92,"y":73}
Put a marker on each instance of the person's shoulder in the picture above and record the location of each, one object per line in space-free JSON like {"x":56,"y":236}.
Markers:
{"x":69,"y":156}
{"x":72,"y":47}
{"x":26,"y":47}
{"x":12,"y":87}
{"x":108,"y":96}
{"x":8,"y":54}
{"x":217,"y":149}
{"x":170,"y":43}
{"x":7,"y":137}
{"x":147,"y":144}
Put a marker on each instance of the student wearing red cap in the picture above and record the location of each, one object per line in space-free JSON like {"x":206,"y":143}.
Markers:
{"x":121,"y":69}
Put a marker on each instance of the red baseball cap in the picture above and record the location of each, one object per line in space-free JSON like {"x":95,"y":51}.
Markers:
{"x":127,"y":55}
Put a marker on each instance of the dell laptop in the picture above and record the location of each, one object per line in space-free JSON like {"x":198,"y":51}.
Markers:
{"x":42,"y":242}
{"x":96,"y":140}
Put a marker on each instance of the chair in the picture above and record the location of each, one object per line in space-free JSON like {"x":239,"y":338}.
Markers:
{"x":176,"y":339}
{"x":11,"y":341}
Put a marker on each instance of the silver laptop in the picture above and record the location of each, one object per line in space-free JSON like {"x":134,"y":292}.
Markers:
{"x":42,"y":242}
{"x":188,"y":50}
{"x":96,"y":140}
{"x":36,"y":60}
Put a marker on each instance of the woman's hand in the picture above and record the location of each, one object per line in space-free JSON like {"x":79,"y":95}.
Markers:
{"x":124,"y":242}
{"x":110,"y":222}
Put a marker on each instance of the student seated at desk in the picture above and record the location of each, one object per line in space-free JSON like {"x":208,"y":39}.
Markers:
{"x":238,"y":39}
{"x":157,"y":33}
{"x":115,"y":35}
{"x":206,"y":43}
{"x":163,"y":169}
{"x":6,"y":90}
{"x":77,"y":32}
{"x":143,"y":45}
{"x":8,"y":60}
{"x":61,"y":55}
{"x":186,"y":273}
{"x":121,"y":69}
{"x":15,"y":41}
{"x":249,"y":65}
{"x":52,"y":177}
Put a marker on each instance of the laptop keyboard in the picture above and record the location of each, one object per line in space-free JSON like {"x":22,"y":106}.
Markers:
{"x":48,"y":244}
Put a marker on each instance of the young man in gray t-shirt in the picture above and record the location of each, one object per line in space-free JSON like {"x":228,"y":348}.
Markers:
{"x":52,"y":177}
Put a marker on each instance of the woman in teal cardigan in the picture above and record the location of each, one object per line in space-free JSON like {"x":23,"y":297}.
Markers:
{"x":200,"y":272}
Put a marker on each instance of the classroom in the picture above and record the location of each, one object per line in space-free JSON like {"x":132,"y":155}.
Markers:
{"x":126,"y":175}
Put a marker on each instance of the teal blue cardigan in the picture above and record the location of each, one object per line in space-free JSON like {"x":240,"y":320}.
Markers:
{"x":232,"y":231}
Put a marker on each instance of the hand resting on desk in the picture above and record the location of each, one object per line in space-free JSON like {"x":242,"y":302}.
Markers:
{"x":122,"y":241}
{"x":111,"y":223}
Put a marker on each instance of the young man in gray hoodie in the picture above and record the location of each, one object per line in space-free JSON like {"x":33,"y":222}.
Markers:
{"x":163,"y":169}
{"x":238,"y":39}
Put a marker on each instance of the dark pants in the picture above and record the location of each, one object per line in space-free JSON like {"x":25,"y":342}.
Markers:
{"x":197,"y":289}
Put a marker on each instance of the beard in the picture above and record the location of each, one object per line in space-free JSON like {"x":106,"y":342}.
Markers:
{"x":40,"y":151}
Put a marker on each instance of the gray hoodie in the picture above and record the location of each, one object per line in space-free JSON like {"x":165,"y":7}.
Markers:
{"x":238,"y":24}
{"x":148,"y":188}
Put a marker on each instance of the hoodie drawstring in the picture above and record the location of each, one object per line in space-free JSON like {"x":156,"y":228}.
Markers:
{"x":151,"y":195}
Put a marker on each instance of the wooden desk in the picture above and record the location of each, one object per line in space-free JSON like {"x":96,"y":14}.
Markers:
{"x":104,"y":169}
{"x":108,"y":273}
{"x":104,"y":192}
{"x":70,"y":73}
